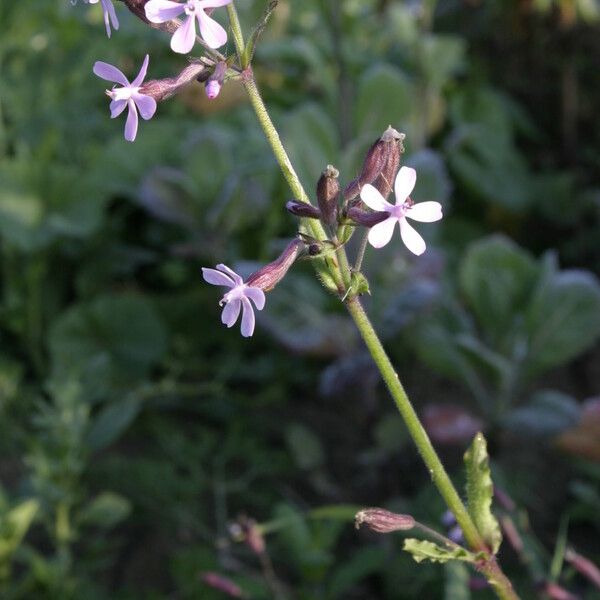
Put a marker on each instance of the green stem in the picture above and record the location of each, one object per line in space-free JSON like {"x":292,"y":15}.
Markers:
{"x":416,"y":430}
{"x":341,"y":274}
{"x":361,"y":251}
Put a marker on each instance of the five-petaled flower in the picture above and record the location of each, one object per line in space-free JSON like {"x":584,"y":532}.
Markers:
{"x":160,"y":11}
{"x":237,"y":298}
{"x":127,"y":96}
{"x":426,"y":212}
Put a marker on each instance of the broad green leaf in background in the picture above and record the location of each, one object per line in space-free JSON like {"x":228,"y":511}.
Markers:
{"x":424,"y":550}
{"x":126,"y":328}
{"x":563,"y":319}
{"x":365,"y":562}
{"x":305,"y":446}
{"x":384,"y":98}
{"x":112,"y":421}
{"x":105,"y":510}
{"x":480,"y":491}
{"x":497,"y":278}
{"x":13,"y":526}
{"x":311,"y":140}
{"x":549,"y":412}
{"x":457,"y":581}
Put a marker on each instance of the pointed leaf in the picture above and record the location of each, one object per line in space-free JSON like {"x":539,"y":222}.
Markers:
{"x":424,"y":550}
{"x":480,"y":491}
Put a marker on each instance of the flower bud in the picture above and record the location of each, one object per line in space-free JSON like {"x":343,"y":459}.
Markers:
{"x":382,"y":155}
{"x":385,"y":179}
{"x":303,"y":209}
{"x":270,"y":275}
{"x":367,"y":219}
{"x":215,"y":81}
{"x":328,"y":188}
{"x":252,"y":535}
{"x":383,"y":521}
{"x":223,"y":584}
{"x":161,"y":89}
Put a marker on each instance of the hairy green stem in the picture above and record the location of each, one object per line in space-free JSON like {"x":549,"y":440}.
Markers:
{"x":361,"y":251}
{"x":341,"y":274}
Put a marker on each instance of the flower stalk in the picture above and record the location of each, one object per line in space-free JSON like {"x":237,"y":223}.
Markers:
{"x":341,"y":273}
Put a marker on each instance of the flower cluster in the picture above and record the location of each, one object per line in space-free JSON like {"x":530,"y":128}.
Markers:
{"x":164,"y":13}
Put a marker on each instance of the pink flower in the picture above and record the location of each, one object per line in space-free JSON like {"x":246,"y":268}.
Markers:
{"x":160,"y":11}
{"x":127,"y":96}
{"x":426,"y":212}
{"x":110,"y":16}
{"x":237,"y":298}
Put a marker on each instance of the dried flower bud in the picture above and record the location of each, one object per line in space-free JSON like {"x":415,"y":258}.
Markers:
{"x":251,"y":534}
{"x":137,"y":8}
{"x":383,"y":521}
{"x":385,"y":180}
{"x":303,"y":209}
{"x":328,"y":188}
{"x":215,"y":81}
{"x":382,"y":155}
{"x":270,"y":275}
{"x":161,"y":89}
{"x":223,"y":584}
{"x":365,"y":218}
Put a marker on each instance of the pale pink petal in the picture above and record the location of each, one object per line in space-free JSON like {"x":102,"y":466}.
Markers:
{"x":142,"y":74}
{"x":411,"y":238}
{"x":185,"y":36}
{"x":236,"y":278}
{"x":373,"y":199}
{"x":110,"y":16}
{"x":256,"y":295}
{"x":426,"y":212}
{"x":381,"y":234}
{"x":146,"y":105}
{"x":247,"y":318}
{"x":217,"y":278}
{"x":404,"y":184}
{"x":110,"y":73}
{"x":131,"y":125}
{"x":212,"y":33}
{"x":231,"y":312}
{"x":160,"y":11}
{"x":117,"y":107}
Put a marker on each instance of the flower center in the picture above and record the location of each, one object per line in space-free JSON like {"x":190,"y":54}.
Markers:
{"x":234,"y":294}
{"x":123,"y":93}
{"x":190,"y":7}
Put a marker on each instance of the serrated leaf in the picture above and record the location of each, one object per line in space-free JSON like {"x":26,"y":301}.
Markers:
{"x":425,"y":550}
{"x":480,"y":491}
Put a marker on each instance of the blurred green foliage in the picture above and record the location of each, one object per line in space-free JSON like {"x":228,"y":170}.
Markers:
{"x":134,"y":428}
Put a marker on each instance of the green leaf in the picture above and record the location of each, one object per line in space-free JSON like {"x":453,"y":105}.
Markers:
{"x":112,"y":421}
{"x":125,"y":328}
{"x":365,"y":562}
{"x":305,"y":446}
{"x":424,"y":550}
{"x":311,"y":139}
{"x":105,"y":510}
{"x":497,"y":278}
{"x":547,"y":413}
{"x":457,"y":581}
{"x":480,"y":491}
{"x":14,"y":526}
{"x":385,"y":95}
{"x":563,"y":319}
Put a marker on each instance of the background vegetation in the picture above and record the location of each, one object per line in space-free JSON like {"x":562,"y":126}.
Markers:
{"x":134,"y":428}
